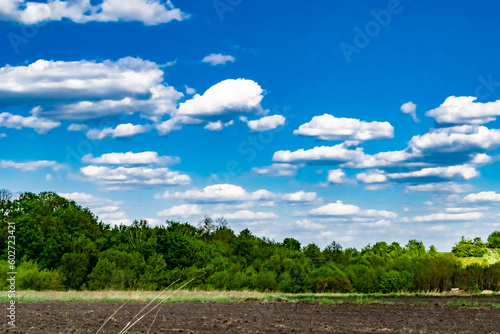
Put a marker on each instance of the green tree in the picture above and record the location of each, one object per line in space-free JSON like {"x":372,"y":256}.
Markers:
{"x":291,"y":243}
{"x":494,"y":240}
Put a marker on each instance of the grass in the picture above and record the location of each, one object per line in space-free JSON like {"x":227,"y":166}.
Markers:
{"x":241,"y":296}
{"x":492,"y":256}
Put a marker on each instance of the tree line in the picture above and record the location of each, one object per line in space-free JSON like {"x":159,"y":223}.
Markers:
{"x":61,"y":245}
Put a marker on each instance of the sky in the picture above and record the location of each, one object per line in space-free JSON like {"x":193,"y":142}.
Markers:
{"x":351,"y":121}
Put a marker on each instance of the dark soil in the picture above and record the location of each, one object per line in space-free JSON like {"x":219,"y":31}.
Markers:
{"x":256,"y":317}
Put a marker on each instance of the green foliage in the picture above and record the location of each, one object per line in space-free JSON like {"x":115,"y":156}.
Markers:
{"x":395,"y":281}
{"x":61,"y":245}
{"x":291,"y":243}
{"x":494,"y":240}
{"x":470,"y":248}
{"x":30,"y":277}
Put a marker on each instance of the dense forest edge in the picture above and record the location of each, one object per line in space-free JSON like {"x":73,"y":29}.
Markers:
{"x":63,"y":246}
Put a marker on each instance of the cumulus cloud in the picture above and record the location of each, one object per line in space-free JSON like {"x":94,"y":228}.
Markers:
{"x":130,"y":158}
{"x":219,"y":193}
{"x":235,"y":195}
{"x":465,"y":138}
{"x":309,"y":224}
{"x":218,"y":59}
{"x":217,"y":107}
{"x":176,"y":123}
{"x":161,"y":100}
{"x":372,"y":177}
{"x":461,"y":172}
{"x":276,"y":170}
{"x":77,"y":127}
{"x":149,"y":12}
{"x":332,"y":154}
{"x":28,"y":166}
{"x":328,"y":127}
{"x":122,"y":130}
{"x":218,"y":126}
{"x":440,"y":187}
{"x":381,"y":159}
{"x":247,"y":215}
{"x":40,"y":125}
{"x":85,"y":90}
{"x":300,"y":197}
{"x":189,"y":90}
{"x":336,"y":176}
{"x":226,"y":97}
{"x":410,"y":108}
{"x":484,"y":196}
{"x":83,"y":79}
{"x":265,"y":123}
{"x":339,"y":209}
{"x":463,"y":110}
{"x":449,"y":217}
{"x":127,"y":178}
{"x":107,"y":210}
{"x":182,"y":211}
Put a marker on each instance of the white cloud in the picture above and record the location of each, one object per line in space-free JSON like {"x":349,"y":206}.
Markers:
{"x":130,"y":158}
{"x":339,"y":209}
{"x":300,"y":197}
{"x":29,"y":165}
{"x":440,"y":187}
{"x":83,"y":79}
{"x":328,"y":127}
{"x":218,"y":59}
{"x":410,"y":108}
{"x":250,"y":215}
{"x":337,"y":153}
{"x":463,"y":110}
{"x":464,"y":209}
{"x":190,"y":91}
{"x":381,"y":159}
{"x":484,"y":196}
{"x":122,"y":130}
{"x":77,"y":127}
{"x":125,"y":178}
{"x":149,"y":12}
{"x":372,"y":177}
{"x":233,"y":194}
{"x":176,"y":123}
{"x":336,"y":176}
{"x":84,"y":90}
{"x":378,"y":223}
{"x":107,"y":210}
{"x":457,"y":139}
{"x":449,"y":217}
{"x":276,"y":170}
{"x":219,"y":193}
{"x":161,"y":100}
{"x":265,"y":123}
{"x":40,"y":125}
{"x":463,"y":172}
{"x":182,"y":211}
{"x":309,"y":224}
{"x":218,"y":126}
{"x":226,"y":97}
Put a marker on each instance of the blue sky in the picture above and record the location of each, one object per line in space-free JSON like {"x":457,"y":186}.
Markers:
{"x":347,"y":121}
